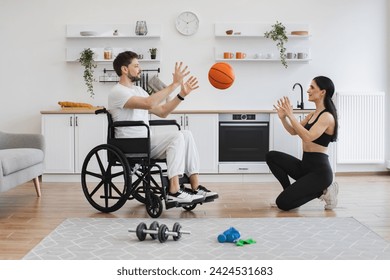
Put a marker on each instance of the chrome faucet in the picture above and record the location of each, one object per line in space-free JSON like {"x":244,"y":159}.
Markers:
{"x":301,"y":106}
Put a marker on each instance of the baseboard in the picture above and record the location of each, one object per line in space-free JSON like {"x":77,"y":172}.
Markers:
{"x":368,"y":173}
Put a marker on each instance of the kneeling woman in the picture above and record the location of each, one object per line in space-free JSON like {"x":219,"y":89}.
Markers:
{"x":313,"y":174}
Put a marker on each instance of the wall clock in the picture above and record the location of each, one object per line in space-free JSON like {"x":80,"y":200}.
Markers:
{"x":187,"y":23}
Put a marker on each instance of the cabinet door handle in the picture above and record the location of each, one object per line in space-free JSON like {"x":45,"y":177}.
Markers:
{"x":71,"y":121}
{"x":187,"y":121}
{"x":76,"y":121}
{"x":181,"y":120}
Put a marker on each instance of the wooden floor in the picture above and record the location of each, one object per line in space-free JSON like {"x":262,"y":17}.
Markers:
{"x":25,"y":219}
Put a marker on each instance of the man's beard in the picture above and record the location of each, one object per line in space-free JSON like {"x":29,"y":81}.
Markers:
{"x":133,"y":78}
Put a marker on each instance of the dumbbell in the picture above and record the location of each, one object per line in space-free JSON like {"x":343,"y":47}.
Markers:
{"x":230,"y":235}
{"x":142,"y":231}
{"x":164,"y":233}
{"x":160,"y":232}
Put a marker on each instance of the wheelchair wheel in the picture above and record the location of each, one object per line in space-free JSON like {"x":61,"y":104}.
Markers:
{"x":105,"y":178}
{"x":140,"y":185}
{"x":154,"y":206}
{"x":139,"y":192}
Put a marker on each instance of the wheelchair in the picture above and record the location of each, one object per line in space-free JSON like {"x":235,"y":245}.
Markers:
{"x":108,"y":170}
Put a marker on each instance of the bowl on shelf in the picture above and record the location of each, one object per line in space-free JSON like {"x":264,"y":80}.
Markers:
{"x":88,"y":33}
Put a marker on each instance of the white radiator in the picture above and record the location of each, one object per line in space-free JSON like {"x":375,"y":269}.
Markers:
{"x":361,"y":135}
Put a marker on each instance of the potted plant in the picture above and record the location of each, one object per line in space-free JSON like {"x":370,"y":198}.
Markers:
{"x":278,"y":34}
{"x":153,"y":53}
{"x":86,"y":59}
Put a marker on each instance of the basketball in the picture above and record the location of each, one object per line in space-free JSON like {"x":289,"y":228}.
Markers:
{"x":221,"y":75}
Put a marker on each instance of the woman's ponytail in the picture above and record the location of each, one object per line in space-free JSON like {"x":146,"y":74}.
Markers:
{"x":324,"y":83}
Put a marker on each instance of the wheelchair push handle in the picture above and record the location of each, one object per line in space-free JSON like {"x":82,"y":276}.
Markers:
{"x":100,"y":111}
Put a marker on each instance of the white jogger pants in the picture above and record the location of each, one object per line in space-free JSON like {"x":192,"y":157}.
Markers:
{"x":180,"y":151}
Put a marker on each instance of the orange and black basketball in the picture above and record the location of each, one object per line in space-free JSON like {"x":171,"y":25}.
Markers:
{"x":221,"y":75}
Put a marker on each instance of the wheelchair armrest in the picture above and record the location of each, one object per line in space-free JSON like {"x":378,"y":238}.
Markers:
{"x":128,"y":123}
{"x":163,"y":122}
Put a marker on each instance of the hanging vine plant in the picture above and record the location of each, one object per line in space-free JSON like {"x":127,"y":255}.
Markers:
{"x":86,"y":60}
{"x":278,"y":34}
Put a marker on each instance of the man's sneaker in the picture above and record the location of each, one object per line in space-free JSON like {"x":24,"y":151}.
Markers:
{"x":330,"y":196}
{"x":184,"y":197}
{"x":209,"y":195}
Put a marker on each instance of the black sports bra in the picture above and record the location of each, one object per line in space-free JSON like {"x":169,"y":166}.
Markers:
{"x":325,"y":138}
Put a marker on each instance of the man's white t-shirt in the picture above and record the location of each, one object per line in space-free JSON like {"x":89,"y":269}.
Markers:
{"x":116,"y":102}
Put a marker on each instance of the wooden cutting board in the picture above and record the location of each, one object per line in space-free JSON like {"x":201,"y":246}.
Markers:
{"x":81,"y":108}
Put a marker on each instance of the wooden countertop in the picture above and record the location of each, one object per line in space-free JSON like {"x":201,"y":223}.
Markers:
{"x":234,"y":111}
{"x":92,"y":111}
{"x":72,"y":110}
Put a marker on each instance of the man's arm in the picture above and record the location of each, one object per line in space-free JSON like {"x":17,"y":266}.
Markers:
{"x":147,"y":103}
{"x":150,"y":102}
{"x":165,"y":109}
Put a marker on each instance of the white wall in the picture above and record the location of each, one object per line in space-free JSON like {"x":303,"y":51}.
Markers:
{"x":387,"y":147}
{"x":348,"y":44}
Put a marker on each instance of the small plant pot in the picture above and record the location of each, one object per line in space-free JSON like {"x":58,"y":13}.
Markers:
{"x":153,"y":56}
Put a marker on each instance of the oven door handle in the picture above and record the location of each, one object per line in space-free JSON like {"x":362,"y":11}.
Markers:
{"x":243,"y":124}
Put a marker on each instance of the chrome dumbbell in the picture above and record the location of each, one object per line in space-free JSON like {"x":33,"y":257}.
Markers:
{"x":164,"y":233}
{"x":161,"y":232}
{"x":141,"y":231}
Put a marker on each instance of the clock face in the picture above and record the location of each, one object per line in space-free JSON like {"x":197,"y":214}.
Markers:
{"x":187,"y":23}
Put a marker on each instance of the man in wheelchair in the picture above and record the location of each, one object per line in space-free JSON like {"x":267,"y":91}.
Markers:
{"x":128,"y":102}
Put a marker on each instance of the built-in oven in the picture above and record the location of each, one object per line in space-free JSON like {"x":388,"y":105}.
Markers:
{"x":243,"y":143}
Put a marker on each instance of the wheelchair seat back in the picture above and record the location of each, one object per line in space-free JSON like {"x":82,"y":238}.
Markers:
{"x":135,"y":149}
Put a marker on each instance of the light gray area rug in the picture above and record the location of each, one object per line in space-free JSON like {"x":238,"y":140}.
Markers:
{"x":276,"y":239}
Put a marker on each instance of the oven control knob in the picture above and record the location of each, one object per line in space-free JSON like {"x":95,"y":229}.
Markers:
{"x":243,"y":117}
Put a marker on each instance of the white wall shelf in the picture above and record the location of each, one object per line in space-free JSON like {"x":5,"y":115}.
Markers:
{"x":103,"y":36}
{"x":248,"y":37}
{"x":107,"y":31}
{"x":256,"y":29}
{"x":73,"y":54}
{"x":261,"y":60}
{"x":261,"y":36}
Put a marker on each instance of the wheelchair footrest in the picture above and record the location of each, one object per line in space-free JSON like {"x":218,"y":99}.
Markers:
{"x":171,"y":204}
{"x":176,"y":204}
{"x":210,"y":199}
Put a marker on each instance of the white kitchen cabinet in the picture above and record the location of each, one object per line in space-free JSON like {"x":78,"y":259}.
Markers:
{"x":204,"y":128}
{"x":284,"y":141}
{"x":249,"y":39}
{"x":69,"y":138}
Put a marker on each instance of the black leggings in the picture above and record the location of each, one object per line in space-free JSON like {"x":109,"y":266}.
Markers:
{"x":312,"y":176}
